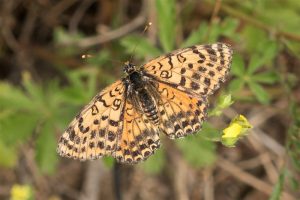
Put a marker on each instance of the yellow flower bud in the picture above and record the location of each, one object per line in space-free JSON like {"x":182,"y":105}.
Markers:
{"x":236,"y":129}
{"x":20,"y":192}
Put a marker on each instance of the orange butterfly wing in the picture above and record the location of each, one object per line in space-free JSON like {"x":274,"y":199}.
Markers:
{"x":139,"y":137}
{"x":186,"y":78}
{"x":197,"y":70}
{"x":181,"y":113}
{"x":95,"y":130}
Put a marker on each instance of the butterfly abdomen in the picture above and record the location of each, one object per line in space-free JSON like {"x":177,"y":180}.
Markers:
{"x":146,"y":101}
{"x":148,"y":106}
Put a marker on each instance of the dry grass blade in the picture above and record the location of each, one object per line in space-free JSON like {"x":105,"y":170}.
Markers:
{"x":249,"y":179}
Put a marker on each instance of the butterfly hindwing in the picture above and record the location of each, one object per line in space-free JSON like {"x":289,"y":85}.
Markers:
{"x":181,"y":114}
{"x":197,"y":70}
{"x":139,"y":137}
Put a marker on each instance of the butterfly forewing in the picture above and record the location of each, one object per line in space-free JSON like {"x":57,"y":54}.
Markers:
{"x":197,"y":70}
{"x":95,"y":130}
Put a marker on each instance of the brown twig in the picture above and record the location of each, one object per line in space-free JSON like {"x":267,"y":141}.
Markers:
{"x":119,"y":32}
{"x":91,"y":187}
{"x":270,"y":169}
{"x":180,"y":179}
{"x":152,"y":31}
{"x":4,"y":191}
{"x":179,"y":171}
{"x":249,"y":179}
{"x":62,"y":189}
{"x":29,"y":24}
{"x":216,"y":9}
{"x":78,"y":14}
{"x":31,"y":171}
{"x":6,"y":23}
{"x":208,"y":184}
{"x":251,"y":163}
{"x":57,"y":9}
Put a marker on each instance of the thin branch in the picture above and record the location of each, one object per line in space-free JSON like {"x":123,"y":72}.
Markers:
{"x":208,"y":184}
{"x":94,"y":173}
{"x":58,"y":9}
{"x":117,"y":33}
{"x":216,"y":10}
{"x":249,"y":179}
{"x":214,"y":17}
{"x":29,"y":24}
{"x":6,"y":19}
{"x":79,"y":13}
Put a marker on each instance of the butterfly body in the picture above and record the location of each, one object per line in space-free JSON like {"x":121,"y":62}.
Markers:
{"x":138,"y":84}
{"x":169,"y":95}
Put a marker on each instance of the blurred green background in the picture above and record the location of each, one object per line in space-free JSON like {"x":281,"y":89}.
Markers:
{"x":56,"y":55}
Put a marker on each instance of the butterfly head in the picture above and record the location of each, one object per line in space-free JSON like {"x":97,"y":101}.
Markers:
{"x":129,"y":68}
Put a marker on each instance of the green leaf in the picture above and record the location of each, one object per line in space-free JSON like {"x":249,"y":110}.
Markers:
{"x":293,"y":142}
{"x":197,"y":36}
{"x":224,"y":101}
{"x":208,"y":132}
{"x":236,"y":85}
{"x":270,"y":51}
{"x":229,"y":26}
{"x":293,"y":47}
{"x":108,"y":162}
{"x":197,"y":151}
{"x":18,"y":127}
{"x":99,"y":58}
{"x":63,"y":37}
{"x":166,"y":19}
{"x":282,"y":17}
{"x":238,"y":66}
{"x":141,"y":47}
{"x":46,"y":155}
{"x":8,"y":155}
{"x":214,"y":32}
{"x":277,"y":190}
{"x":217,"y":29}
{"x":155,"y":163}
{"x":80,"y":92}
{"x":292,"y":79}
{"x":33,"y":89}
{"x":261,"y":95}
{"x":292,"y":180}
{"x":251,"y":36}
{"x":255,"y":62}
{"x":13,"y":98}
{"x":263,"y":57}
{"x":266,"y":77}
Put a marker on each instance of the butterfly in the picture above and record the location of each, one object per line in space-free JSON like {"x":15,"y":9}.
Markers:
{"x":169,"y":95}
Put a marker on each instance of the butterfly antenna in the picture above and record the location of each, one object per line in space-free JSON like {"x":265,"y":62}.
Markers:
{"x":86,"y":56}
{"x":115,"y":61}
{"x":134,"y":49}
